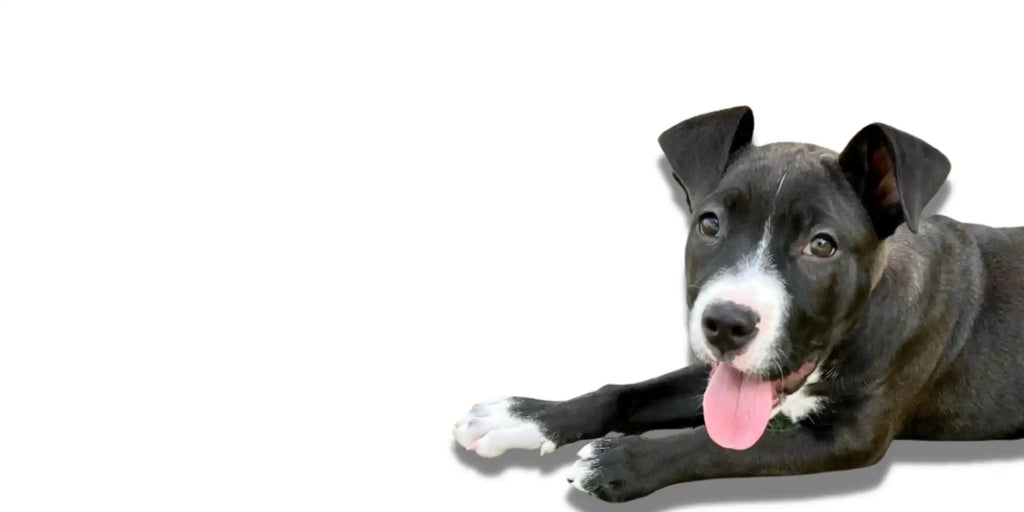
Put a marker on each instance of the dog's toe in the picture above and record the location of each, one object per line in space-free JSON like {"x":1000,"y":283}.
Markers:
{"x":582,"y":470}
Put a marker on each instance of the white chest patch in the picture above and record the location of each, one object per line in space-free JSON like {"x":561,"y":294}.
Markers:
{"x":800,"y":404}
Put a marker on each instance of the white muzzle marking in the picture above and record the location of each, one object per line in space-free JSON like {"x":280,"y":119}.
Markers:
{"x":753,"y":283}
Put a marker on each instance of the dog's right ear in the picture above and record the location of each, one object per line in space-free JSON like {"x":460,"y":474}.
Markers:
{"x":699,"y":148}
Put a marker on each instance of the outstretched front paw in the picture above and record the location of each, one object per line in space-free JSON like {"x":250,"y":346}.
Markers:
{"x":614,"y":469}
{"x":492,"y":427}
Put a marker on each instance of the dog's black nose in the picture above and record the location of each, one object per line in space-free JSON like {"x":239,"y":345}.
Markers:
{"x":729,"y":326}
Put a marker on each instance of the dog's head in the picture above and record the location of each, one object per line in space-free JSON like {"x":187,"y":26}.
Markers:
{"x":783,"y":247}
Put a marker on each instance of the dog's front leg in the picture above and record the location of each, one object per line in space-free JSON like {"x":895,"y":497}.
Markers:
{"x":670,"y":401}
{"x":625,"y":468}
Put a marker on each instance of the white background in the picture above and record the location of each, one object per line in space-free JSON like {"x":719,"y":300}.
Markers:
{"x":261,"y":255}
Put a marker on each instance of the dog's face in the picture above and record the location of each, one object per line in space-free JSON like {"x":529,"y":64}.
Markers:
{"x":778,"y":260}
{"x":783,"y":249}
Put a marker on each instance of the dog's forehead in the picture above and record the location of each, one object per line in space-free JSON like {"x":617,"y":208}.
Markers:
{"x":762,"y":171}
{"x":789,"y":182}
{"x":769,"y":162}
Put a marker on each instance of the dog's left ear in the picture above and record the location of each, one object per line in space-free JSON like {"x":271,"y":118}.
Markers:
{"x":698,"y":149}
{"x":894,"y":173}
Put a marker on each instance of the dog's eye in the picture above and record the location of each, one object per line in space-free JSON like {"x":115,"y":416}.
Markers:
{"x":708,"y":224}
{"x":821,"y":245}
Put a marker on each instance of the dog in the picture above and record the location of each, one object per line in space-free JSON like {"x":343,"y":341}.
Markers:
{"x":828,"y":318}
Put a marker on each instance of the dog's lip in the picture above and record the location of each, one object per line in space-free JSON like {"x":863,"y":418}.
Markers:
{"x":795,"y":380}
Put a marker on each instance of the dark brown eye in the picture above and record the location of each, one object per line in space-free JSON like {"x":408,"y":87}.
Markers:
{"x":708,"y":224}
{"x":821,"y":245}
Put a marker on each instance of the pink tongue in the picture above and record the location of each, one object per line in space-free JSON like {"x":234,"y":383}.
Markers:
{"x":736,"y":408}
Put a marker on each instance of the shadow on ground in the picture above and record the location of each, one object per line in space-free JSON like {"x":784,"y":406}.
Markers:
{"x":681,"y":496}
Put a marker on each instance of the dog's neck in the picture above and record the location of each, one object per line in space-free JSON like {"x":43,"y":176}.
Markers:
{"x":897,"y":257}
{"x":879,"y":264}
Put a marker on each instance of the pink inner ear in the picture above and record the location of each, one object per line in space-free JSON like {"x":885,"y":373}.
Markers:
{"x":885,"y":193}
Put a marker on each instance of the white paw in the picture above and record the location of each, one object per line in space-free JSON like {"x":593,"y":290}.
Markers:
{"x":582,"y":469}
{"x":489,"y":429}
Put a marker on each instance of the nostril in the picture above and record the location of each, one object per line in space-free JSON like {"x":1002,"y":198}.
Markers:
{"x":740,"y":331}
{"x":710,"y":325}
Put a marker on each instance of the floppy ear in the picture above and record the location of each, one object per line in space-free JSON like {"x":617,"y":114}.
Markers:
{"x":699,"y":148}
{"x":894,"y":173}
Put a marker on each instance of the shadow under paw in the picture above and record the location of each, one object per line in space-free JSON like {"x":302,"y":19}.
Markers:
{"x":562,"y":457}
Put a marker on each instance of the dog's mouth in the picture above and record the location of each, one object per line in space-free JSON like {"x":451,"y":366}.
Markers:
{"x":738,"y":406}
{"x":791,"y":383}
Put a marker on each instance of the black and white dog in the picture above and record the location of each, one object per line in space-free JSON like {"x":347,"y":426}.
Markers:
{"x":830,"y":319}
